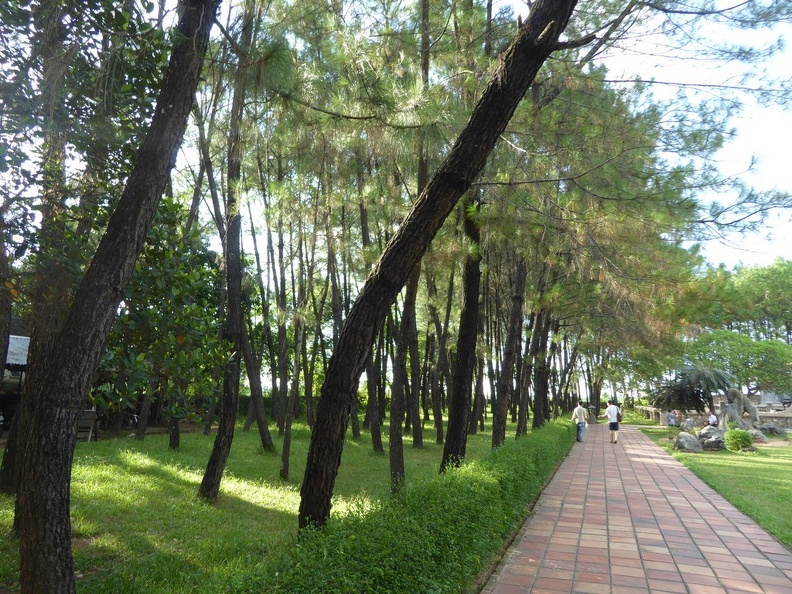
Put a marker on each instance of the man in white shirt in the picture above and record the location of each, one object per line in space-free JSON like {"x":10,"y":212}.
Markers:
{"x":580,"y":418}
{"x":612,"y":412}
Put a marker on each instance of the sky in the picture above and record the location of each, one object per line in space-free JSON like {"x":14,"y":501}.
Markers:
{"x":761,"y":133}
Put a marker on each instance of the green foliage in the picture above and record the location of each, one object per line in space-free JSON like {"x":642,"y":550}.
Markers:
{"x":737,"y":439}
{"x":434,"y":536}
{"x":692,"y":388}
{"x":759,"y":364}
{"x":165,"y":339}
{"x":138,"y":527}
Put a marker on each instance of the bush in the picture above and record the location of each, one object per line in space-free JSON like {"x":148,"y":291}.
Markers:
{"x":434,"y":536}
{"x":737,"y":439}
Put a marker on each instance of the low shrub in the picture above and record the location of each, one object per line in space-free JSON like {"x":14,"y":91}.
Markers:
{"x":435,"y":536}
{"x":736,"y":439}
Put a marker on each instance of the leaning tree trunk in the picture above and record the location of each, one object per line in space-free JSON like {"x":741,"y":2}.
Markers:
{"x":536,"y":39}
{"x":50,"y":433}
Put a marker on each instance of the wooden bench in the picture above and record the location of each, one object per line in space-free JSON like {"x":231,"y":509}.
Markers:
{"x":86,"y":427}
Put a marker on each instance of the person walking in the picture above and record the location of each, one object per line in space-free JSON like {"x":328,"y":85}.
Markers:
{"x":580,"y":418}
{"x":612,"y":413}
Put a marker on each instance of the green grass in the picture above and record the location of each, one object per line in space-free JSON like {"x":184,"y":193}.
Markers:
{"x":139,"y":528}
{"x":757,"y":483}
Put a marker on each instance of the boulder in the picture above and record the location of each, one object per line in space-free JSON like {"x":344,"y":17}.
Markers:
{"x":687,"y":425}
{"x":710,"y":432}
{"x":758,"y":436}
{"x":772,"y":429}
{"x":714,"y":443}
{"x":685,"y":442}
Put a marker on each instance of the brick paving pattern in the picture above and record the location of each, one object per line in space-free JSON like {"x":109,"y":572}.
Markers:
{"x":650,"y":526}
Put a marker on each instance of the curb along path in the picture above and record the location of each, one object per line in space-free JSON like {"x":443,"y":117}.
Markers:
{"x":662,"y":531}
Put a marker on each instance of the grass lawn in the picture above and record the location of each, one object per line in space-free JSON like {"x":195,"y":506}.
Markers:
{"x":757,"y":483}
{"x":138,"y":526}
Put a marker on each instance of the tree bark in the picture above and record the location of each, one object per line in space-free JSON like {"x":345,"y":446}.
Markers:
{"x":541,"y":368}
{"x":50,"y":430}
{"x":293,"y":398}
{"x":506,"y":380}
{"x":459,"y":408}
{"x":535,"y":41}
{"x":411,"y":334}
{"x":374,"y":412}
{"x":253,"y":367}
{"x":234,"y":323}
{"x":398,"y":407}
{"x":478,"y":401}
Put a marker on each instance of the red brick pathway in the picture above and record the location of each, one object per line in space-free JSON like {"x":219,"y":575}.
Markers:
{"x":651,"y":527}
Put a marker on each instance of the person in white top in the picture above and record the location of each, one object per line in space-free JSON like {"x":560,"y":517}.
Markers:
{"x":580,"y":418}
{"x":612,"y":412}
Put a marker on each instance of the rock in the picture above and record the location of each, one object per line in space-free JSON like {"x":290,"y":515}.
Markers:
{"x":772,"y":429}
{"x":710,"y":432}
{"x":685,"y":442}
{"x":758,"y":436}
{"x":713,"y":443}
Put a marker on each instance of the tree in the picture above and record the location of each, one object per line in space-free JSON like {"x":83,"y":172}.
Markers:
{"x":693,"y":388}
{"x":49,"y":425}
{"x":536,"y":39}
{"x":459,"y":408}
{"x":757,"y":365}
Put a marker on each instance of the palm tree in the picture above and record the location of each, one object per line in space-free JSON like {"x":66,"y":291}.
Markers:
{"x":693,"y":388}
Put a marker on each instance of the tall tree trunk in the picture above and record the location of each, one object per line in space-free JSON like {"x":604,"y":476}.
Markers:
{"x":50,"y":430}
{"x":459,"y":408}
{"x":478,"y":402}
{"x":5,"y":306}
{"x":397,"y":413}
{"x":52,"y":283}
{"x":234,"y":323}
{"x":411,"y":346}
{"x":541,"y":369}
{"x":375,"y":414}
{"x":535,"y":41}
{"x":253,"y":367}
{"x":525,"y":383}
{"x":294,"y":395}
{"x":7,"y":482}
{"x":281,"y":398}
{"x":441,"y":368}
{"x":253,"y":358}
{"x":514,"y":333}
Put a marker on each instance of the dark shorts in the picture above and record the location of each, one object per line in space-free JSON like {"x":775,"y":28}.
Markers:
{"x":613,"y":426}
